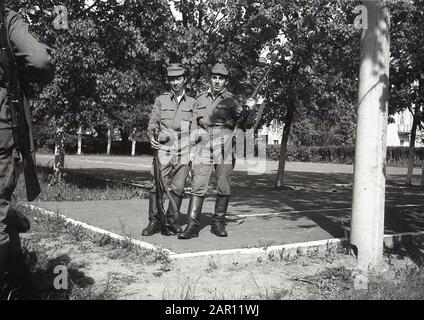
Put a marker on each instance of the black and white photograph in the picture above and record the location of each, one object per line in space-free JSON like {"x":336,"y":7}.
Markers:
{"x":211,"y":156}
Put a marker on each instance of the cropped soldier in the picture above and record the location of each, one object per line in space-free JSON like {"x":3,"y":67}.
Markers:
{"x":215,"y":120}
{"x":171,"y":116}
{"x":34,"y":64}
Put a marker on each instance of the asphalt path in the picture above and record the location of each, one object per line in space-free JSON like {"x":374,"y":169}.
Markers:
{"x":144,"y":163}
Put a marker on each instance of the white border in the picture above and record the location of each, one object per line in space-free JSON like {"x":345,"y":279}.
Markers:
{"x":292,"y":248}
{"x":136,"y":242}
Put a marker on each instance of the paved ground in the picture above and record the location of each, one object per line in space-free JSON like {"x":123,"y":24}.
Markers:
{"x":317,"y":198}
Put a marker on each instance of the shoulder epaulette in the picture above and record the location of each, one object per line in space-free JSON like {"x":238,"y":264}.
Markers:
{"x":202,"y":93}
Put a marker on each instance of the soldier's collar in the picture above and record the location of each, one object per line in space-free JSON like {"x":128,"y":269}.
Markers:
{"x":221,"y":93}
{"x":173,"y":95}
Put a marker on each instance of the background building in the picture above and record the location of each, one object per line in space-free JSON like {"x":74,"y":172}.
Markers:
{"x":399,"y":131}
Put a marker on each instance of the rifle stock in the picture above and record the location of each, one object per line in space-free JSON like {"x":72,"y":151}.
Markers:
{"x":160,"y":188}
{"x":32,"y":185}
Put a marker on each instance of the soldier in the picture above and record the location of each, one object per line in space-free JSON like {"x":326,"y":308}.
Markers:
{"x":34,"y":63}
{"x":172,"y":116}
{"x":215,"y":120}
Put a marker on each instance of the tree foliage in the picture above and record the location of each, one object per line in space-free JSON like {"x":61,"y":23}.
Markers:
{"x":112,"y":60}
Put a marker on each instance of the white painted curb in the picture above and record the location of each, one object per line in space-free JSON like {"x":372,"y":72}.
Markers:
{"x":289,"y":248}
{"x":138,"y":243}
{"x":280,"y":251}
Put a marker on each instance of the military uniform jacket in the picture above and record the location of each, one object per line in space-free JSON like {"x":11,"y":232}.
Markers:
{"x":173,"y":120}
{"x":31,"y":57}
{"x":210,"y":113}
{"x":215,"y":120}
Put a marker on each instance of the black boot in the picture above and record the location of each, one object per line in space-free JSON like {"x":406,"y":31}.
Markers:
{"x":193,"y":225}
{"x":173,"y":213}
{"x":218,"y":219}
{"x":154,"y":219}
{"x":18,"y":276}
{"x":3,"y":259}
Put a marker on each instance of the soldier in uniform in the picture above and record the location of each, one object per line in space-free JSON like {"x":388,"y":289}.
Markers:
{"x":35,"y":65}
{"x":171,"y":116}
{"x":216,"y":117}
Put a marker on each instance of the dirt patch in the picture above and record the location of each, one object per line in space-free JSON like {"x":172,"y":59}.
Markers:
{"x":99,"y":268}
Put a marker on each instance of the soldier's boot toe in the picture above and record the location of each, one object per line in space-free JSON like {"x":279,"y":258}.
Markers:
{"x":218,"y":229}
{"x":175,"y":229}
{"x":191,"y":231}
{"x":152,"y":228}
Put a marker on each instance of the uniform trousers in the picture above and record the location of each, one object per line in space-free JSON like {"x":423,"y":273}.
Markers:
{"x":8,"y":179}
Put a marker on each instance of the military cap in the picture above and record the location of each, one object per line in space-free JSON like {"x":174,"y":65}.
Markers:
{"x":175,"y":70}
{"x":220,"y":68}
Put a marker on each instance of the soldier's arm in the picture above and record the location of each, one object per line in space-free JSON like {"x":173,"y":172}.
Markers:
{"x":238,"y":110}
{"x":154,"y":121}
{"x":242,"y":112}
{"x":31,"y":55}
{"x":194,"y":125}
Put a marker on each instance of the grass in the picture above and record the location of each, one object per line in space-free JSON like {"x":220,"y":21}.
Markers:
{"x":54,"y":225}
{"x":36,"y":243}
{"x":79,"y":286}
{"x":77,"y":186}
{"x":186,"y":291}
{"x":404,"y":282}
{"x":334,"y":279}
{"x":408,"y":284}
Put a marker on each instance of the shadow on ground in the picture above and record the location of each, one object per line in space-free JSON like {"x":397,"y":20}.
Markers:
{"x":309,"y":200}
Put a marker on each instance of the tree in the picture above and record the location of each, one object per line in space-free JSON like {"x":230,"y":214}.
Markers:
{"x":234,"y":31}
{"x":367,"y":224}
{"x":101,"y":76}
{"x":407,"y":67}
{"x":313,"y":68}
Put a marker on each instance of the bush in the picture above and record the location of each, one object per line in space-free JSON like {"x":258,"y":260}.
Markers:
{"x":396,"y":156}
{"x":44,"y":143}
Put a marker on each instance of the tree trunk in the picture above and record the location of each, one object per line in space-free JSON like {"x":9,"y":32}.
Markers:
{"x":284,"y":142}
{"x":133,"y":148}
{"x":79,"y":141}
{"x":184,"y":13}
{"x":422,"y":173}
{"x":59,"y":152}
{"x":109,"y":140}
{"x":411,"y":155}
{"x":367,"y":224}
{"x":125,"y":135}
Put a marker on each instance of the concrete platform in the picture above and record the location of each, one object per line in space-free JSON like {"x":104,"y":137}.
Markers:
{"x":312,"y":206}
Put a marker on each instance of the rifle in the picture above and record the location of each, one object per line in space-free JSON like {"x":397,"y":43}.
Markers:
{"x":253,"y":96}
{"x":265,"y":78}
{"x":262,"y":107}
{"x":160,"y":187}
{"x":20,"y":112}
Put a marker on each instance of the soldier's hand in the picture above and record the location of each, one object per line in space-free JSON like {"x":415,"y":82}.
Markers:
{"x":198,"y":138}
{"x":250,"y":103}
{"x":260,"y":100}
{"x":154,"y":144}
